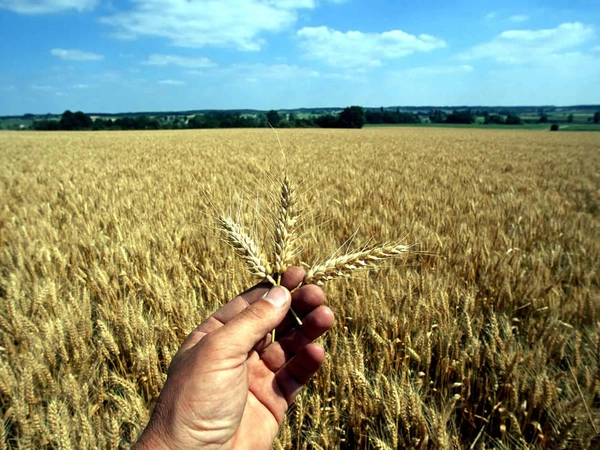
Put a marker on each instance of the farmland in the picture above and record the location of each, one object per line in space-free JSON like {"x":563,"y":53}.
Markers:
{"x":486,"y":335}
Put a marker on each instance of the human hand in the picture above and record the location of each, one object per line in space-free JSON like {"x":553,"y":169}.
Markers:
{"x":228,"y":386}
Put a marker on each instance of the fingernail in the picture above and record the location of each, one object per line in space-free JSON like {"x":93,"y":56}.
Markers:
{"x":278,"y":296}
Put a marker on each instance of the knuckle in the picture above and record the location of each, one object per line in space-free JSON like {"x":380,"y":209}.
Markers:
{"x":254,"y":312}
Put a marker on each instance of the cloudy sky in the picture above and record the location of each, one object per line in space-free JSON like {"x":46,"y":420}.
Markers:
{"x":155,"y":55}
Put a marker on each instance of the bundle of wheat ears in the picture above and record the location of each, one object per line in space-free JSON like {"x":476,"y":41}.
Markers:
{"x":285,"y":249}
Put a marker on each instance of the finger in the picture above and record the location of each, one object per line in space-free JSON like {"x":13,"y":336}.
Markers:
{"x":292,"y":277}
{"x":236,"y":306}
{"x":225,"y":313}
{"x":296,"y":373}
{"x":261,"y":345}
{"x":315,"y":325}
{"x":307,"y":298}
{"x":246,"y":329}
{"x":304,"y":301}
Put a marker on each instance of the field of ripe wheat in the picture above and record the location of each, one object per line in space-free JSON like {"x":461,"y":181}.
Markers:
{"x":485,"y":335}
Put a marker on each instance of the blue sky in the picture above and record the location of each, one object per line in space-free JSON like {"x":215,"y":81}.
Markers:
{"x":156,"y":55}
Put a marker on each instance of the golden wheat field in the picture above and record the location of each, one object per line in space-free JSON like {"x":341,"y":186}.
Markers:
{"x":485,"y":335}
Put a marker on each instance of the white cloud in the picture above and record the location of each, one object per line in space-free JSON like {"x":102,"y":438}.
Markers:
{"x":596,"y":48}
{"x":182,"y":61}
{"x":565,"y":79}
{"x":47,"y":6}
{"x":424,"y":71}
{"x":259,"y":71}
{"x":491,"y":15}
{"x":75,"y":55}
{"x":340,"y":76}
{"x":571,"y":64}
{"x":82,"y":86}
{"x":519,"y":18}
{"x":109,"y":76}
{"x":172,"y":82}
{"x":42,"y":87}
{"x":358,"y":49}
{"x":275,"y":71}
{"x":237,"y":23}
{"x":525,"y":46}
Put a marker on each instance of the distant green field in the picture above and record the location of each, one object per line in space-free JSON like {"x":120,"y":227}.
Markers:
{"x":579,"y":127}
{"x":525,"y":126}
{"x":559,"y":117}
{"x":14,"y":124}
{"x":563,"y":126}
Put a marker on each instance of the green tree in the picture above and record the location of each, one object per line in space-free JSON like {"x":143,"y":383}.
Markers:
{"x":374,"y":117}
{"x":352,"y":117}
{"x":67,"y":120}
{"x":273,"y":118}
{"x":75,"y":121}
{"x":46,"y":125}
{"x":437,"y":116}
{"x":513,"y":119}
{"x":326,"y":121}
{"x":292,"y":118}
{"x":570,"y":118}
{"x":597,"y":117}
{"x":543,"y":118}
{"x":464,"y":117}
{"x":494,"y":119}
{"x":99,"y":124}
{"x":202,"y":121}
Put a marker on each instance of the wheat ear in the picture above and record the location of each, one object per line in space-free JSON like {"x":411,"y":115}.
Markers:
{"x":255,"y":260}
{"x":285,"y":234}
{"x":342,"y":266}
{"x":245,"y":246}
{"x":285,"y":227}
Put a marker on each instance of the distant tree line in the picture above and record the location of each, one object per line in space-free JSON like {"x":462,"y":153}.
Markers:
{"x":386,"y":116}
{"x":351,"y":117}
{"x":468,"y":117}
{"x":71,"y":121}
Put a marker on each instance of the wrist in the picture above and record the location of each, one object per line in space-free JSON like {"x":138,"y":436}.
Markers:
{"x":153,"y":437}
{"x":150,"y":440}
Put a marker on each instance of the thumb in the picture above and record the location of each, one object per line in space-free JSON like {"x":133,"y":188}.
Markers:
{"x":246,"y":329}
